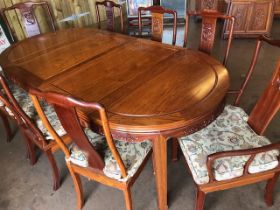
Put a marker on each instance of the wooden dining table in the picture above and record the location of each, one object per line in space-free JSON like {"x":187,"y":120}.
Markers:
{"x":149,"y":89}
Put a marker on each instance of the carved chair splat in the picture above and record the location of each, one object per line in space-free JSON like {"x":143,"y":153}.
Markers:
{"x":67,"y":109}
{"x":157,"y":22}
{"x":110,"y":14}
{"x":33,"y":136}
{"x":29,"y":20}
{"x":208,"y":30}
{"x":263,"y":112}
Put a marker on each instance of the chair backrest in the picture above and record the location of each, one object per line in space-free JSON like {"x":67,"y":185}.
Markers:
{"x":28,"y":18}
{"x":72,"y":114}
{"x":208,"y":30}
{"x":110,"y":14}
{"x":269,"y":103}
{"x":27,"y":126}
{"x":157,"y":13}
{"x":206,"y":5}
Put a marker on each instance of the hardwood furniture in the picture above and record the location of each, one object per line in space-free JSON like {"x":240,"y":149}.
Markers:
{"x":208,"y":31}
{"x":157,"y":13}
{"x":200,"y":5}
{"x":124,"y":163}
{"x":110,"y":14}
{"x":253,"y":17}
{"x":16,"y":104}
{"x":29,"y":20}
{"x":150,"y":90}
{"x":232,"y":151}
{"x":277,"y":7}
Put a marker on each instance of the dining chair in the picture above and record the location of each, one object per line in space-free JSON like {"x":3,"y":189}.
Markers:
{"x":110,"y":14}
{"x":28,"y":19}
{"x":15,"y":103}
{"x":232,"y":151}
{"x":157,"y":13}
{"x":96,"y":156}
{"x":208,"y":30}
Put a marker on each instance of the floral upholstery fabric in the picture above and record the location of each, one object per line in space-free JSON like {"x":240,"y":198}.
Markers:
{"x":27,"y":106}
{"x":132,"y":155}
{"x":229,"y":131}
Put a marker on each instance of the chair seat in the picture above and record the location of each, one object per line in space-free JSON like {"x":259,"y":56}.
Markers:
{"x":230,"y":131}
{"x":132,"y":154}
{"x":27,"y":106}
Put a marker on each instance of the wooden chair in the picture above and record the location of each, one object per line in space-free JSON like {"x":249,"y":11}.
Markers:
{"x":157,"y":13}
{"x":28,"y":17}
{"x":208,"y":31}
{"x":231,"y":151}
{"x":97,"y":157}
{"x":110,"y":14}
{"x":16,"y":104}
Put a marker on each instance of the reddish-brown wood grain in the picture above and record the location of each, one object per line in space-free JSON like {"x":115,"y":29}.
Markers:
{"x":150,"y":90}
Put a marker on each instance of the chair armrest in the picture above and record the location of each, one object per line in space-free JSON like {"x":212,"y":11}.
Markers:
{"x":252,"y":152}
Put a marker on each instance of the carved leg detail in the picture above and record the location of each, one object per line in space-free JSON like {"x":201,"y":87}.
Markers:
{"x":175,"y":147}
{"x":268,"y":196}
{"x":78,"y":187}
{"x":127,"y":197}
{"x":55,"y":172}
{"x":7,"y":127}
{"x":200,"y":198}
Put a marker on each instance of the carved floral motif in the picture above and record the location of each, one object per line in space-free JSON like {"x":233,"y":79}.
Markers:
{"x":208,"y":4}
{"x":259,"y":21}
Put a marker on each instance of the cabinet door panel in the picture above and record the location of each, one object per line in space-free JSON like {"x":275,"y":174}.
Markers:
{"x":261,"y":17}
{"x":277,"y":7}
{"x":240,"y":11}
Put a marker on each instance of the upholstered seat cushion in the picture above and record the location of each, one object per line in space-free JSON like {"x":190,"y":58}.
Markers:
{"x":132,"y":155}
{"x":229,"y":131}
{"x":26,"y":104}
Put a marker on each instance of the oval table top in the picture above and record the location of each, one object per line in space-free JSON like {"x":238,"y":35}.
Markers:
{"x":146,"y":87}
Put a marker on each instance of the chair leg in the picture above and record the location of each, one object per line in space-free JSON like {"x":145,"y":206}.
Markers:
{"x":128,"y":200}
{"x":175,"y":147}
{"x":78,"y":187}
{"x":55,"y":172}
{"x":268,"y":196}
{"x":200,"y":198}
{"x":7,"y":127}
{"x":30,"y":150}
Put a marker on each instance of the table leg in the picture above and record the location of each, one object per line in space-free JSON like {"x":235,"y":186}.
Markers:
{"x":160,"y":167}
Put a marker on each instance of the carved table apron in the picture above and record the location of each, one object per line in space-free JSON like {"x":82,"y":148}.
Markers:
{"x":150,"y":90}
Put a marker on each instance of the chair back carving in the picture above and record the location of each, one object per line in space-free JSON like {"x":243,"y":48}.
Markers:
{"x":208,"y":30}
{"x":110,"y":14}
{"x":206,"y":5}
{"x":74,"y":116}
{"x":27,"y":126}
{"x":157,"y":13}
{"x":269,"y":103}
{"x":29,"y":20}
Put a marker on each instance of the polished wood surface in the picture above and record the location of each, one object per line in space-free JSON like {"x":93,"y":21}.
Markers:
{"x":149,"y":89}
{"x":110,"y":7}
{"x":65,"y":108}
{"x":28,"y":17}
{"x":208,"y":30}
{"x":253,"y":17}
{"x":262,"y":114}
{"x":157,"y":15}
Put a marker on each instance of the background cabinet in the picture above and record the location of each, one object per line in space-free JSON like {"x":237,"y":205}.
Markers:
{"x":253,"y":17}
{"x":277,"y":7}
{"x":198,"y":5}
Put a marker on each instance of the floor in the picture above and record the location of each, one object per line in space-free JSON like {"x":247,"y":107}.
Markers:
{"x":26,"y":187}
